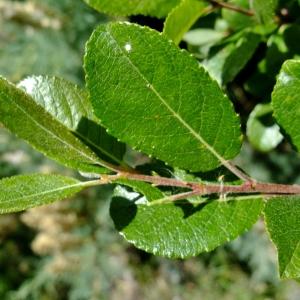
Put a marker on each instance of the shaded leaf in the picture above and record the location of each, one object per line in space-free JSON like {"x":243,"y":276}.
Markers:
{"x":70,"y":105}
{"x":29,"y":121}
{"x":156,"y":8}
{"x":264,"y":9}
{"x":283,"y":223}
{"x":263,"y":133}
{"x":158,"y":99}
{"x":286,"y":99}
{"x":236,"y":20}
{"x":182,"y":229}
{"x":268,"y":68}
{"x":26,"y":191}
{"x":182,"y":17}
{"x":226,"y":61}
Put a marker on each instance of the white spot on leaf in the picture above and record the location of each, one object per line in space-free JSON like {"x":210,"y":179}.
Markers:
{"x":128,"y":47}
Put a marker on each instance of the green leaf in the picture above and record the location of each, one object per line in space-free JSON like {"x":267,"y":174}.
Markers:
{"x":227,"y":61}
{"x":286,"y":99}
{"x":29,"y":121}
{"x":183,"y":16}
{"x":236,"y":20}
{"x":182,"y":229}
{"x":70,"y":105}
{"x":203,"y":36}
{"x":151,"y":192}
{"x":262,"y":82}
{"x":264,"y":9}
{"x":155,"y":8}
{"x":157,"y":98}
{"x":283,"y":223}
{"x":263,"y":133}
{"x":26,"y":191}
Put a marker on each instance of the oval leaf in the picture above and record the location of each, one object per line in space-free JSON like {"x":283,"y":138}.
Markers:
{"x":263,"y":133}
{"x":26,"y":191}
{"x":182,"y":17}
{"x":29,"y":121}
{"x":158,"y":99}
{"x":155,"y":8}
{"x":182,"y":230}
{"x":286,"y":100}
{"x":283,"y":223}
{"x":70,"y":105}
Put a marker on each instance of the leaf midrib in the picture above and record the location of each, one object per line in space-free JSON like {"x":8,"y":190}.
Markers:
{"x":80,"y":95}
{"x":103,"y":151}
{"x":44,"y":193}
{"x":49,"y":132}
{"x":164,"y":102}
{"x":290,"y":258}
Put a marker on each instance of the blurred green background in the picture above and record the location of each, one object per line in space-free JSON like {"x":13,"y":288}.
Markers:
{"x":70,"y":250}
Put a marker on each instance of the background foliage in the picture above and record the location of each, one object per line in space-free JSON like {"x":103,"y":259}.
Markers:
{"x":70,"y":250}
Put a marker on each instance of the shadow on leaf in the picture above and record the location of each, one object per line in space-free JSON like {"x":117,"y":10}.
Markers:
{"x":122,"y":212}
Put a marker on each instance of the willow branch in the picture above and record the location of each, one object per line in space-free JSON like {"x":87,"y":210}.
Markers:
{"x":200,"y":188}
{"x":232,"y":7}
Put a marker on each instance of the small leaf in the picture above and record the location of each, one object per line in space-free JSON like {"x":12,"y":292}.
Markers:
{"x":283,"y":223}
{"x":29,"y":121}
{"x":203,"y":36}
{"x":157,"y":98}
{"x":151,"y":192}
{"x":182,"y":230}
{"x":286,"y":99}
{"x":155,"y":8}
{"x":25,"y":191}
{"x":264,"y":137}
{"x":70,"y":105}
{"x":264,"y":9}
{"x":182,"y":17}
{"x":227,"y":61}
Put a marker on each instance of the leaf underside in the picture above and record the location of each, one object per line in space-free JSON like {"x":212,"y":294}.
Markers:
{"x":24,"y":117}
{"x":71,"y":106}
{"x":25,"y":191}
{"x":158,"y":99}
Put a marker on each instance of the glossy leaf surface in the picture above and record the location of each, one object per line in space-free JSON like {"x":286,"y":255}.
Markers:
{"x":29,"y":121}
{"x":182,"y":17}
{"x":156,"y":8}
{"x":26,"y":191}
{"x":158,"y":99}
{"x":262,"y":132}
{"x":286,"y":99}
{"x":182,"y":229}
{"x":283,"y":223}
{"x":71,"y":106}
